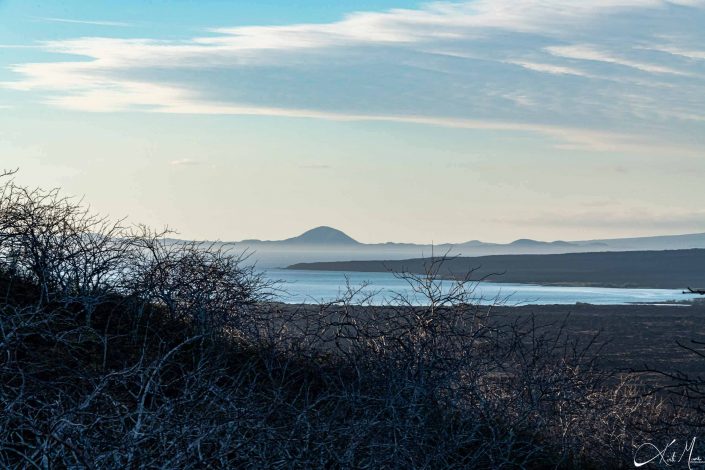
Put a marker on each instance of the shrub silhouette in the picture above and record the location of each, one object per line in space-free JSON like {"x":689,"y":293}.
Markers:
{"x":121,"y":348}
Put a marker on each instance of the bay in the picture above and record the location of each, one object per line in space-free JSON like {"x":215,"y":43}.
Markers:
{"x":327,"y":286}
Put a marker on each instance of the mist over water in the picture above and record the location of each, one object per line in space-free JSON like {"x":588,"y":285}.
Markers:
{"x":325,"y":286}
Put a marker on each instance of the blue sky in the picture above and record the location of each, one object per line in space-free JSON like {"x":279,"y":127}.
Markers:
{"x":392,"y":120}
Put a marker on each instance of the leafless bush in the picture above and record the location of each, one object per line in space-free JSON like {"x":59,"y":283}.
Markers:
{"x":687,"y":387}
{"x":59,"y":246}
{"x":199,"y":282}
{"x":120,"y":348}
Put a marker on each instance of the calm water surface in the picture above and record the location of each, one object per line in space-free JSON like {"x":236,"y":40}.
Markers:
{"x":325,"y":286}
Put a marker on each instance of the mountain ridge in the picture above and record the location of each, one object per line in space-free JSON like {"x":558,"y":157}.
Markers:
{"x":328,"y":235}
{"x":323,"y":234}
{"x":325,"y":243}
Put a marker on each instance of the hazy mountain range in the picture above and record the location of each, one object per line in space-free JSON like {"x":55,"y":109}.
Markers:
{"x":329,"y":244}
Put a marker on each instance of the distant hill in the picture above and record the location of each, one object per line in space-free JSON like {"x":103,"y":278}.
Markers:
{"x":330,"y":244}
{"x":528,"y":243}
{"x":662,"y":242}
{"x":330,"y":236}
{"x":674,"y":269}
{"x":323,"y":236}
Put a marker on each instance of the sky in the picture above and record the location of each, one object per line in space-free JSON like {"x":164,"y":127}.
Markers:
{"x":391,"y":120}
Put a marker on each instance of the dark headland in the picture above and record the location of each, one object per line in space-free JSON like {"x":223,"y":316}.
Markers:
{"x":670,"y":269}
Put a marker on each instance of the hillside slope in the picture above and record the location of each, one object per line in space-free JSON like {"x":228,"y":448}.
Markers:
{"x":673,"y":269}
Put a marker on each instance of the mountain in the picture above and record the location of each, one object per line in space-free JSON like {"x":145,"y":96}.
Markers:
{"x":323,"y":236}
{"x":526,"y":243}
{"x":660,"y":242}
{"x":329,"y":244}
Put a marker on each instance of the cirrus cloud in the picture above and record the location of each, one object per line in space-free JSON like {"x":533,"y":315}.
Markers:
{"x":578,"y":75}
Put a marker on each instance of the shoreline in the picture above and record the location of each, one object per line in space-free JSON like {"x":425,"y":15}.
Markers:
{"x":598,"y":285}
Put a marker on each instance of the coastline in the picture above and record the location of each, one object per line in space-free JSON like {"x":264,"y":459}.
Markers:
{"x":668,"y":269}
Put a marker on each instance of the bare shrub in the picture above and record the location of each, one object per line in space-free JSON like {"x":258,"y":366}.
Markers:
{"x":121,"y":348}
{"x":60,"y":246}
{"x":201,"y":282}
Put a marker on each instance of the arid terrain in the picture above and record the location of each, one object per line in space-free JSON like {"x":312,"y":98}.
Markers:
{"x":628,"y":337}
{"x":632,"y":336}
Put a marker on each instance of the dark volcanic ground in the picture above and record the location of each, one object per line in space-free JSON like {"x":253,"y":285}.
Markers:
{"x":631,"y":336}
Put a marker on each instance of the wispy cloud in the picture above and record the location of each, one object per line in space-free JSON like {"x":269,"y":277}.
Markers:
{"x":550,"y":68}
{"x":85,"y":22}
{"x":682,"y":52}
{"x":588,"y":52}
{"x":469,"y":65}
{"x":20,"y":46}
{"x":566,"y":137}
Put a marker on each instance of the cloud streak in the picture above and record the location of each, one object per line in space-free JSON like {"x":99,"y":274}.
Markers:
{"x":83,"y":22}
{"x":587,"y":52}
{"x":492,"y":65}
{"x":551,"y":68}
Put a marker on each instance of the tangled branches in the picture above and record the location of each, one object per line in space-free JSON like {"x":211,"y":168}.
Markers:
{"x":120,"y":348}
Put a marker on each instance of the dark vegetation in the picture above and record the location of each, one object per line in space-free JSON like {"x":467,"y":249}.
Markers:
{"x":670,"y":269}
{"x":121,"y":349}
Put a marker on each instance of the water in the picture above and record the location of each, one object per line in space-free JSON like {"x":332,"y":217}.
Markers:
{"x":326,"y":286}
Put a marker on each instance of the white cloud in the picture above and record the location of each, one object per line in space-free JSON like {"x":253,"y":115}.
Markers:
{"x":550,"y":68}
{"x":86,"y":22}
{"x":565,"y":137}
{"x":19,"y":46}
{"x":588,"y":52}
{"x":490,"y":37}
{"x":687,"y":53}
